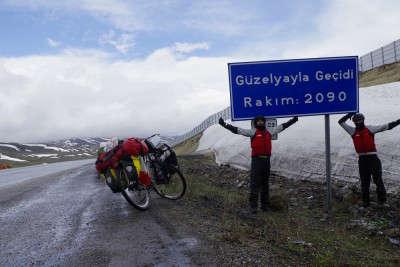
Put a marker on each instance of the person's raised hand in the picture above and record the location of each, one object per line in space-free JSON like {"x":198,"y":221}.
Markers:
{"x":222,"y":122}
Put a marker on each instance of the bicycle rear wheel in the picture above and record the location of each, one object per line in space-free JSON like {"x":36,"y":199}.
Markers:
{"x":174,"y":188}
{"x":138,"y":196}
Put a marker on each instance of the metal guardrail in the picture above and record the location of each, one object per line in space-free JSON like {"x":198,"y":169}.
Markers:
{"x":211,"y":120}
{"x":385,"y":55}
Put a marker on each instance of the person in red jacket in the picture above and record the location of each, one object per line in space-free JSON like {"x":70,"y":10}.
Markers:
{"x":261,"y":148}
{"x":368,"y":162}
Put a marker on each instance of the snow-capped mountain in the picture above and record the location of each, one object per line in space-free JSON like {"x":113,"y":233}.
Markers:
{"x":18,"y":154}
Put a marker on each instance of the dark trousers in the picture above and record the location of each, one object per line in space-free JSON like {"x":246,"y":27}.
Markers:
{"x":370,"y":165}
{"x":259,"y":179}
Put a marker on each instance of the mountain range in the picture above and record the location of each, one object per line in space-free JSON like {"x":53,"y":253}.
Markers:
{"x":23,"y":154}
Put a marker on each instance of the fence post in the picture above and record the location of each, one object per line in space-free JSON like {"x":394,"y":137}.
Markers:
{"x":361,"y":64}
{"x":395,"y":52}
{"x":372,"y":60}
{"x":383,"y":56}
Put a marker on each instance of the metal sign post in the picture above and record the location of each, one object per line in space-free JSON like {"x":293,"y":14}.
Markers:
{"x":328,"y":164}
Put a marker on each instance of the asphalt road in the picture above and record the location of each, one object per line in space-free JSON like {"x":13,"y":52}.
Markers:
{"x":72,"y":219}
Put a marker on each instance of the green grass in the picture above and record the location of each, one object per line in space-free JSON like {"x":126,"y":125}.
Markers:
{"x":332,"y":242}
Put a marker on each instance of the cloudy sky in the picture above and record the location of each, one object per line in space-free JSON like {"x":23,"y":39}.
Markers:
{"x":119,"y":68}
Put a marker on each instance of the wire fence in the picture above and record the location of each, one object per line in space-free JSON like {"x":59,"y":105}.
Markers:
{"x":385,"y":55}
{"x":211,"y":120}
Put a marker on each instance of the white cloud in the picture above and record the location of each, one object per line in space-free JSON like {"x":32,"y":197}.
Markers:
{"x":53,"y":43}
{"x":123,"y":42}
{"x":340,"y":28}
{"x":87,"y":92}
{"x":78,"y":94}
{"x":350,"y":28}
{"x":186,"y":48}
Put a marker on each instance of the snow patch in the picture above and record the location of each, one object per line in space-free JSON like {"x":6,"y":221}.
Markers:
{"x":43,"y":155}
{"x":48,"y":147}
{"x":10,"y":146}
{"x":299,"y":151}
{"x":5,"y":157}
{"x":69,"y":143}
{"x":89,"y":140}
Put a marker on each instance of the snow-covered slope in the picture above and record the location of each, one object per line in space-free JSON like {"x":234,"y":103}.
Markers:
{"x":299,"y":151}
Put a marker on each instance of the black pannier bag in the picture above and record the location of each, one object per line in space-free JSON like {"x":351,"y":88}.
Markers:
{"x":168,"y":159}
{"x":113,"y":182}
{"x":117,"y":183}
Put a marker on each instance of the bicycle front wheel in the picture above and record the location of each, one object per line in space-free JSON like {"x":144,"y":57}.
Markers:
{"x":138,"y":196}
{"x":174,"y":188}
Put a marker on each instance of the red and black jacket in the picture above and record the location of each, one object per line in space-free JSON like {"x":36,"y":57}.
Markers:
{"x":364,"y":141}
{"x":261,"y":144}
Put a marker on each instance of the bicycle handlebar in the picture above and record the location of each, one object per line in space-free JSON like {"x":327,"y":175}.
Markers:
{"x":147,"y":138}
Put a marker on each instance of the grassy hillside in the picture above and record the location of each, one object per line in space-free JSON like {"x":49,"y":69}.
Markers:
{"x":189,"y":146}
{"x":385,"y":74}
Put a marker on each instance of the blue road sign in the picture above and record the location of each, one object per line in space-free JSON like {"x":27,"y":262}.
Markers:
{"x":299,"y":87}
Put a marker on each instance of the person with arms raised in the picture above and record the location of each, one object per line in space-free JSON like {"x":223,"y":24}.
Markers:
{"x":368,"y":162}
{"x":261,"y":148}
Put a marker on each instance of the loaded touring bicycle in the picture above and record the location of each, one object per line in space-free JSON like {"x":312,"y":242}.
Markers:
{"x":135,"y":167}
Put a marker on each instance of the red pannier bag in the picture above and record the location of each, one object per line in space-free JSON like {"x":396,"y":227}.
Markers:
{"x":101,"y":165}
{"x":130,"y":147}
{"x":134,"y":147}
{"x":144,"y":178}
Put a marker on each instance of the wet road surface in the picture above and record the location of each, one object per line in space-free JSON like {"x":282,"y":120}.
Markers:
{"x":72,"y":219}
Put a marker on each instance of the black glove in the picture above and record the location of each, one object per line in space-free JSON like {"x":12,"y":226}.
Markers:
{"x":394,"y":124}
{"x":231,"y":128}
{"x":346,"y":117}
{"x":222,"y":122}
{"x":290,"y":122}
